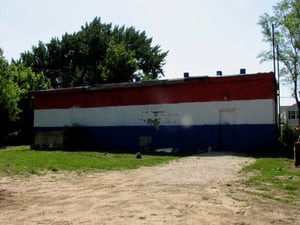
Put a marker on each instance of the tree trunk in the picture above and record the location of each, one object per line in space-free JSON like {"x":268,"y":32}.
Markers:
{"x":297,"y":153}
{"x":298,"y":104}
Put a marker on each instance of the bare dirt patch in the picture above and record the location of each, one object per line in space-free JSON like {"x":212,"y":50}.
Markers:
{"x":203,"y":189}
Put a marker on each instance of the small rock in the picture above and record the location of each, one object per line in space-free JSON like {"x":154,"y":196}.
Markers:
{"x":138,"y":155}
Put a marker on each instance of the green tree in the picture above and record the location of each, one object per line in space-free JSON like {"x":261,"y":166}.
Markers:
{"x":86,"y":56}
{"x":16,"y":108}
{"x":119,"y":64}
{"x":149,"y":58}
{"x":26,"y":80}
{"x":286,"y":21}
{"x":9,"y":93}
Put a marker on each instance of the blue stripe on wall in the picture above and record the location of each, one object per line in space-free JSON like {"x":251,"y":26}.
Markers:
{"x":241,"y":138}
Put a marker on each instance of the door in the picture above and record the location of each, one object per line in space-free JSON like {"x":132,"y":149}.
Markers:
{"x":227,"y":129}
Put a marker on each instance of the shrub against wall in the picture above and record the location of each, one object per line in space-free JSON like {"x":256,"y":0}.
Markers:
{"x":288,"y":137}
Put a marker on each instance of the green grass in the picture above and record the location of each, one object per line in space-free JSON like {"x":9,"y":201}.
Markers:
{"x":22,"y":160}
{"x":274,"y":178}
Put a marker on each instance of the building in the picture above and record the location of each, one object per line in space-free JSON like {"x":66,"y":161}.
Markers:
{"x":194,"y":113}
{"x":289,"y":115}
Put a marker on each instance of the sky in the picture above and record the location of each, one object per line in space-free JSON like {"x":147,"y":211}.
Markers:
{"x":202,"y":36}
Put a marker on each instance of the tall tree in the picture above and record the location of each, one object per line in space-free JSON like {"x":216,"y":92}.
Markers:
{"x":87,"y":56}
{"x":9,"y":93}
{"x":119,"y":64}
{"x":16,"y":110}
{"x":286,"y":21}
{"x":25,"y":80}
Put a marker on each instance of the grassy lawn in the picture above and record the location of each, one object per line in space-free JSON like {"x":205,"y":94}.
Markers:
{"x":274,"y":178}
{"x":22,"y":160}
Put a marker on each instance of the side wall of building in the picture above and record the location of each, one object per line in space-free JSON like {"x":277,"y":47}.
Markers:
{"x":228,"y":113}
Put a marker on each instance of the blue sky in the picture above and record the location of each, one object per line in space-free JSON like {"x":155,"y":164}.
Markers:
{"x":202,"y":36}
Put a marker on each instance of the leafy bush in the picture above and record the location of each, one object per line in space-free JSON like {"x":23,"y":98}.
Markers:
{"x":287,"y":139}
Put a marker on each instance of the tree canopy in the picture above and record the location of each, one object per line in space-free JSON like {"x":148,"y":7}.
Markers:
{"x":9,"y":92}
{"x":98,"y":53}
{"x":16,"y":81}
{"x":286,"y":22}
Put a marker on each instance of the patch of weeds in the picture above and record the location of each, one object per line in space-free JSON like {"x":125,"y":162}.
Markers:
{"x":216,"y":202}
{"x":274,"y":179}
{"x":290,"y":188}
{"x":205,"y":198}
{"x":263,"y":188}
{"x":239,"y":199}
{"x":293,"y":220}
{"x":171,"y":207}
{"x":179,"y":215}
{"x":34,"y":172}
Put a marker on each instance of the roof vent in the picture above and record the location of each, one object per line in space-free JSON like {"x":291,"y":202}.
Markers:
{"x":242,"y":71}
{"x":219,"y":73}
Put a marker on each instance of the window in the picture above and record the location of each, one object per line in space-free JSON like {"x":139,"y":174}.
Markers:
{"x":292,"y":115}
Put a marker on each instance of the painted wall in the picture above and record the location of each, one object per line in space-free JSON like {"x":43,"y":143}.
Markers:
{"x":229,"y":113}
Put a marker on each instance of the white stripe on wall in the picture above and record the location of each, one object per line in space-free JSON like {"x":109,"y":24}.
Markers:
{"x":196,"y":113}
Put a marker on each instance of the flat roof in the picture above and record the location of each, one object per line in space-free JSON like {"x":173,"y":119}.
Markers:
{"x":149,"y":83}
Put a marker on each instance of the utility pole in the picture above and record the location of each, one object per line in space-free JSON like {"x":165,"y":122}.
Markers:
{"x":278,"y":83}
{"x":275,"y":80}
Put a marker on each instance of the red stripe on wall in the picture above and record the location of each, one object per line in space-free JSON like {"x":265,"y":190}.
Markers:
{"x":258,"y":86}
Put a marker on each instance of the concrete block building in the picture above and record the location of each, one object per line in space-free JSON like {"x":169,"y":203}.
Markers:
{"x":193,"y":113}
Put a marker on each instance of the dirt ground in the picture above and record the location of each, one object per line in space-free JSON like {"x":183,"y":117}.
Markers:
{"x":202,"y":189}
